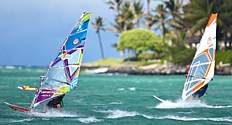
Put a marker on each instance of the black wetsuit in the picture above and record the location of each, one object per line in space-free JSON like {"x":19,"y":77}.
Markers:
{"x":54,"y":102}
{"x":201,"y":91}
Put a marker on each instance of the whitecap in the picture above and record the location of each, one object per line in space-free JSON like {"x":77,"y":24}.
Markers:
{"x":115,"y":103}
{"x":132,"y":88}
{"x":167,"y":104}
{"x":89,"y":120}
{"x":53,"y":114}
{"x":216,"y":119}
{"x":22,"y":120}
{"x":113,"y":114}
{"x":121,"y":89}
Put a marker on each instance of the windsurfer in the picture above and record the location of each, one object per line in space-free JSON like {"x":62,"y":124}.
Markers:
{"x":56,"y":103}
{"x":201,"y":91}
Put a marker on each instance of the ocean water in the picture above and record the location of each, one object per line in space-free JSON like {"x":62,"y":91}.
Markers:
{"x":118,"y":100}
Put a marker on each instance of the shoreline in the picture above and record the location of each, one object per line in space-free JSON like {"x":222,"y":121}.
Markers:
{"x":154,"y":69}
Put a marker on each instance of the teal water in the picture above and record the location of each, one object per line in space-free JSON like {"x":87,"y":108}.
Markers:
{"x":119,"y":100}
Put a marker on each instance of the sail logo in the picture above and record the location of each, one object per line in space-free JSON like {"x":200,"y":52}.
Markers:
{"x":209,"y":41}
{"x":76,"y":41}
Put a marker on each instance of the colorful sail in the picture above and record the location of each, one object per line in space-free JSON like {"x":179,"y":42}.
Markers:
{"x":202,"y":68}
{"x":63,"y":72}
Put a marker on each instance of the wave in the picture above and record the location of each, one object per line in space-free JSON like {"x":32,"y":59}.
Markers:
{"x":217,"y":119}
{"x":113,"y":114}
{"x":132,"y":88}
{"x":53,"y":114}
{"x":167,"y":104}
{"x":121,"y":89}
{"x":23,"y":120}
{"x":89,"y":120}
{"x":116,"y":103}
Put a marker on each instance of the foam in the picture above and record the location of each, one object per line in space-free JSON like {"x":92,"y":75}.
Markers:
{"x":115,"y":103}
{"x":132,"y":88}
{"x":22,"y":120}
{"x":121,"y":89}
{"x":167,"y":104}
{"x":89,"y":120}
{"x":53,"y":114}
{"x":216,"y":119}
{"x":114,"y":114}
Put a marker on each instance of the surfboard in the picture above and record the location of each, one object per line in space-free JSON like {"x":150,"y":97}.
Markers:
{"x":18,"y":108}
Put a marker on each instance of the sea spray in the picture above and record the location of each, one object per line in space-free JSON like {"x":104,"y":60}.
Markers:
{"x":167,"y":104}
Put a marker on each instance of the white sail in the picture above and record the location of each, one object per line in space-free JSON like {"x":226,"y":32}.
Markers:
{"x":62,"y":75}
{"x":202,"y":68}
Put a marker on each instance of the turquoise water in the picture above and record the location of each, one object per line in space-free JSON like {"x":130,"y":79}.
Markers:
{"x":119,"y":100}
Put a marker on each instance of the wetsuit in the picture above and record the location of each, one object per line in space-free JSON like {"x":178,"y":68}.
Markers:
{"x":201,"y":91}
{"x":56,"y":101}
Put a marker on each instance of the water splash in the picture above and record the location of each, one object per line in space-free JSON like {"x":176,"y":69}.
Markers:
{"x":179,"y":118}
{"x":167,"y":104}
{"x":89,"y":120}
{"x":22,"y":120}
{"x":113,"y":114}
{"x":53,"y":114}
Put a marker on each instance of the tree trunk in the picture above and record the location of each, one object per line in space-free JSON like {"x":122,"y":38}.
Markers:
{"x":101,"y":46}
{"x":163,"y":31}
{"x":148,"y":14}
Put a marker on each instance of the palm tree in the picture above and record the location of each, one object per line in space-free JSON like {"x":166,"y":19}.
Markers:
{"x":197,"y":12}
{"x":196,"y":15}
{"x":160,"y":18}
{"x":148,"y":7}
{"x":128,"y":14}
{"x":98,"y":25}
{"x":115,"y":5}
{"x":174,"y":10}
{"x":138,"y":12}
{"x":149,"y":18}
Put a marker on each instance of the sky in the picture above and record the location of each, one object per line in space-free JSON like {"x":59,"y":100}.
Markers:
{"x":32,"y":31}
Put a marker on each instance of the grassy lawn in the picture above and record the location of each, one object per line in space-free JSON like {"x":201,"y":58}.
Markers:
{"x":107,"y":61}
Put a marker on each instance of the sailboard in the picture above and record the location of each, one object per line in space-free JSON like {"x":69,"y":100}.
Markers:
{"x":201,"y":70}
{"x":63,"y":72}
{"x":18,"y":108}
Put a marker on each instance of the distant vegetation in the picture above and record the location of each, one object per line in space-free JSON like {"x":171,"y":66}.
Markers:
{"x":143,"y":43}
{"x":179,"y":24}
{"x":107,"y":61}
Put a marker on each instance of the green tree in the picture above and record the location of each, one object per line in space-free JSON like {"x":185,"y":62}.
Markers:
{"x":115,"y":5}
{"x":197,"y":12}
{"x":160,"y":17}
{"x":98,"y":25}
{"x":149,"y":18}
{"x":139,"y":41}
{"x":138,"y":12}
{"x":177,"y":52}
{"x":174,"y":9}
{"x":128,"y":14}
